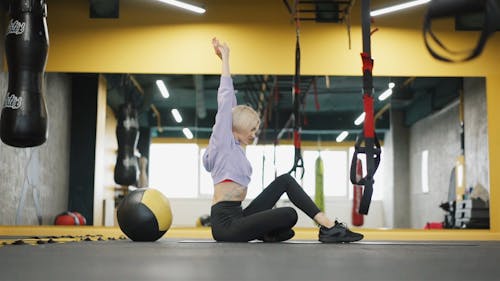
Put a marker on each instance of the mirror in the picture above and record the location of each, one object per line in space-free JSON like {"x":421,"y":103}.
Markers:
{"x":419,"y":124}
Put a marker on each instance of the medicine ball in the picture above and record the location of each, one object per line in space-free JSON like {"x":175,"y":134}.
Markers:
{"x":144,"y":215}
{"x":70,"y":218}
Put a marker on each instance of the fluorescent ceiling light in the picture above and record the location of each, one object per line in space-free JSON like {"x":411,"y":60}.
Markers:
{"x":177,"y":115}
{"x":342,"y":136}
{"x":398,"y":7}
{"x":163,"y":88}
{"x":391,"y":85}
{"x":360,"y":119}
{"x":185,"y":6}
{"x":187,"y":133}
{"x":385,"y":95}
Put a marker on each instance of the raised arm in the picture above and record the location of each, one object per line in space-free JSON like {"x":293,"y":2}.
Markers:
{"x":222,"y":51}
{"x":222,"y":133}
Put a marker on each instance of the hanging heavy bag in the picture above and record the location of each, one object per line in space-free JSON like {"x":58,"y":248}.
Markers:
{"x":319,"y":197}
{"x":24,"y":114}
{"x":127,"y":135}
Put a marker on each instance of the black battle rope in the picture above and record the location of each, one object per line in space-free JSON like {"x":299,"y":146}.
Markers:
{"x":368,"y":136}
{"x":298,"y":162}
{"x":447,"y":8}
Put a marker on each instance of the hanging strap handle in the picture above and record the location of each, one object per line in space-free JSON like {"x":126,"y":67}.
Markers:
{"x":372,"y":153}
{"x":368,"y":137}
{"x":447,"y":8}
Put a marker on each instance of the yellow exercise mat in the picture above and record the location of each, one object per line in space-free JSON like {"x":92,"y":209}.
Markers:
{"x":79,"y":233}
{"x":38,"y":235}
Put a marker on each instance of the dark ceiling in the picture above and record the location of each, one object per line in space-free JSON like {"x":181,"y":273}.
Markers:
{"x":328,"y":108}
{"x":329,"y":104}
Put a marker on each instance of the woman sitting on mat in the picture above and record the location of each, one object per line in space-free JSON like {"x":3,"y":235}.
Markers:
{"x":236,"y":126}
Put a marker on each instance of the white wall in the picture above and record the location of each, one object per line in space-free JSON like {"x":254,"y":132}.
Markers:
{"x":440,"y":135}
{"x":476,"y":132}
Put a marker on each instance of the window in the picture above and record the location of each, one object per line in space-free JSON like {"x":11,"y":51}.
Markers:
{"x":425,"y":171}
{"x":308,"y":182}
{"x":173,"y":169}
{"x":335,"y":172}
{"x":205,"y":179}
{"x":334,"y":168}
{"x":177,"y":170}
{"x":266,"y":165}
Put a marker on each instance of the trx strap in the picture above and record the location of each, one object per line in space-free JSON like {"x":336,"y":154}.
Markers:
{"x":447,"y":8}
{"x":298,"y":162}
{"x":276,"y":123}
{"x":368,"y":136}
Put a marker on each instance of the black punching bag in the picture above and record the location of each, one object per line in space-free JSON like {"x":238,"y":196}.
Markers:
{"x":24,"y":115}
{"x":127,"y":134}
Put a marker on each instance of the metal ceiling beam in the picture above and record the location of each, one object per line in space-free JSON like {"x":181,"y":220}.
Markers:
{"x":333,"y":11}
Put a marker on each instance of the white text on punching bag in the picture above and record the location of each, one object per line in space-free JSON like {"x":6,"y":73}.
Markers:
{"x":16,"y":27}
{"x":130,"y":123}
{"x":129,"y":162}
{"x":12,"y":101}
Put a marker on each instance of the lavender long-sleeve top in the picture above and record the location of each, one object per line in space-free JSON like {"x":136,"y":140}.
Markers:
{"x":224,"y":157}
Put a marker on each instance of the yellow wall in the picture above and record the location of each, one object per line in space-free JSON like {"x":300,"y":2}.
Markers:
{"x":160,"y":41}
{"x":155,"y":39}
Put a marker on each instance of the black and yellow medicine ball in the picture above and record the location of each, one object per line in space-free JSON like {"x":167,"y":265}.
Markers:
{"x":144,"y":215}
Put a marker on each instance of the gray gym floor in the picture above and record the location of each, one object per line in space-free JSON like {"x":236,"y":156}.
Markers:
{"x":170,"y":259}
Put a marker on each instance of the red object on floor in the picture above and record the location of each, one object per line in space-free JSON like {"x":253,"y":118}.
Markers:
{"x":70,"y":218}
{"x":434,"y":225}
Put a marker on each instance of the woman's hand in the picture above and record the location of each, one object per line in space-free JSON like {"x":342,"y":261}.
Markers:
{"x":221,"y":50}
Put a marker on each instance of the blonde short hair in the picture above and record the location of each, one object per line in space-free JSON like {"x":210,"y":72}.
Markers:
{"x":245,"y":117}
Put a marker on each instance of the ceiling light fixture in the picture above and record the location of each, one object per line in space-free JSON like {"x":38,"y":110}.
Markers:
{"x":185,"y":6}
{"x":163,"y":89}
{"x":177,"y":115}
{"x":398,"y":7}
{"x":360,"y":119}
{"x":342,"y":136}
{"x":187,"y":133}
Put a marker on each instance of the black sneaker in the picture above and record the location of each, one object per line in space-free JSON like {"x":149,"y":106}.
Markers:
{"x":278,"y":236}
{"x":339,"y":233}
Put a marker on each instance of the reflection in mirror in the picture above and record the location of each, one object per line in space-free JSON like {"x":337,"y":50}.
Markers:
{"x":443,"y":118}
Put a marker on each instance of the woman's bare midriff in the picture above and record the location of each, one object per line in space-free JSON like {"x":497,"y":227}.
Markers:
{"x":229,"y":191}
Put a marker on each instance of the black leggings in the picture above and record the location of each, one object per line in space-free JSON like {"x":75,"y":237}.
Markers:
{"x":232,"y":223}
